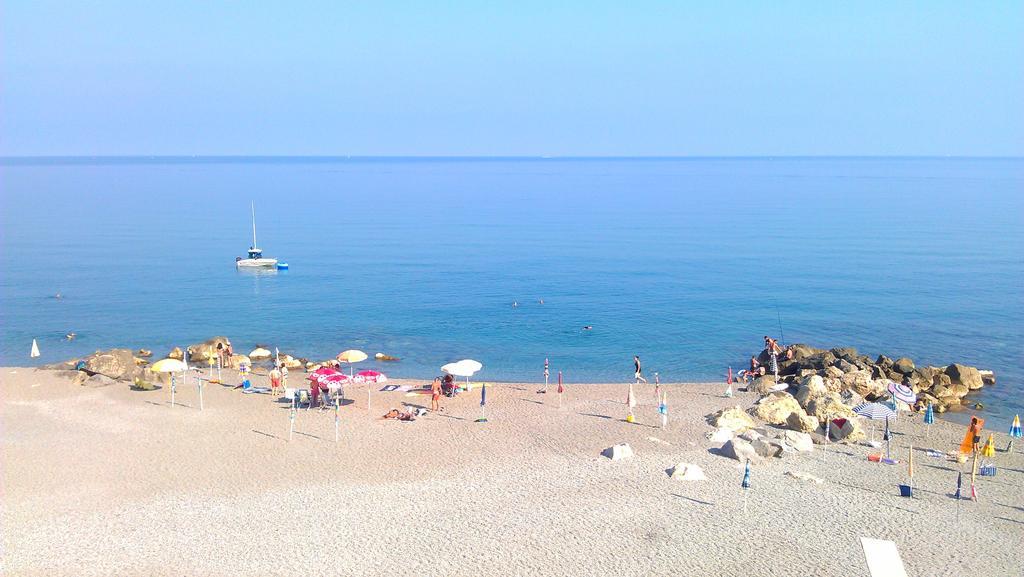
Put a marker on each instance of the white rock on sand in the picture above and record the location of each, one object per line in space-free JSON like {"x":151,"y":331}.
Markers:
{"x":109,"y":481}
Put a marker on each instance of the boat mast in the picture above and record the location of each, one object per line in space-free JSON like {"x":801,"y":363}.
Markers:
{"x":252,"y":205}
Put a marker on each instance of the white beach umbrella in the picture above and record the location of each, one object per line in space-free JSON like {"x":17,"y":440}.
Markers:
{"x":464,"y":368}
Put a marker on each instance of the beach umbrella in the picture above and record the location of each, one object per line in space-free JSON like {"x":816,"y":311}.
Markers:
{"x":171,"y":366}
{"x":35,"y":349}
{"x":745,"y":484}
{"x":1015,"y":432}
{"x":351,"y":357}
{"x":546,"y":375}
{"x":663,"y":409}
{"x":887,"y":438}
{"x":902,"y":393}
{"x":909,"y":467}
{"x":464,"y":368}
{"x":989,"y":450}
{"x":929,"y":418}
{"x":336,"y":418}
{"x":874,"y":412}
{"x":483,"y":404}
{"x":561,"y":389}
{"x":373,"y":376}
{"x":728,"y":378}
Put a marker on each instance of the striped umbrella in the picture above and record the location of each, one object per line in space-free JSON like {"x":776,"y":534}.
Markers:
{"x":1014,"y":432}
{"x":483,"y":404}
{"x":561,"y":389}
{"x":874,"y":412}
{"x":902,"y":393}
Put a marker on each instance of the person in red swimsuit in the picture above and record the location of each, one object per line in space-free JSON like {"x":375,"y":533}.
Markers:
{"x":435,"y":395}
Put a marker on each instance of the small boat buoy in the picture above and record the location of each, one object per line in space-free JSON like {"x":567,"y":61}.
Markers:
{"x":282,"y":266}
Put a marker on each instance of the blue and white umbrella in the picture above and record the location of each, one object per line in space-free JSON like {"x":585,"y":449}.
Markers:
{"x":875,"y":411}
{"x":929,"y":415}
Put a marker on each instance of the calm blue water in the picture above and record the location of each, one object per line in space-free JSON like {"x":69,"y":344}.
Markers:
{"x":685,"y":262}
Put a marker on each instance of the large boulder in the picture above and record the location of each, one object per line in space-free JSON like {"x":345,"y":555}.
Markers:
{"x":964,"y":375}
{"x":733,"y":419}
{"x":206,"y":350}
{"x":291,"y":362}
{"x":801,"y":421}
{"x":846,"y":431}
{"x":115,"y":363}
{"x":903,"y":366}
{"x":98,"y":380}
{"x":740,"y":450}
{"x":801,"y":351}
{"x":768,"y":447}
{"x":259,"y":354}
{"x":762,"y":385}
{"x":798,"y":441}
{"x":618,"y":452}
{"x":235,"y":361}
{"x":811,"y":386}
{"x":829,"y":406}
{"x":688,"y":472}
{"x":884,"y":361}
{"x":776,"y":408}
{"x":176,"y":353}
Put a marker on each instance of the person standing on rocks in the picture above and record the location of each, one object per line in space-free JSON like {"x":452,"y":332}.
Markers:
{"x":639,"y":373}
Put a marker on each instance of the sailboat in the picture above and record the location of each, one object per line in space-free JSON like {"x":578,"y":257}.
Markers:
{"x":255,"y":253}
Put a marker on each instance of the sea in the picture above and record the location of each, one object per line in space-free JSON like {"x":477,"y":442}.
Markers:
{"x":583,"y":262}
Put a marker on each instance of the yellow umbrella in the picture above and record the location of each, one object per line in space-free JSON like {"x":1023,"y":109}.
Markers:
{"x":989,"y":449}
{"x":168,"y":366}
{"x":351,"y":356}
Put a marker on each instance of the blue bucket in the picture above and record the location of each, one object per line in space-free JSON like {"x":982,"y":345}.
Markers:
{"x":906,"y":491}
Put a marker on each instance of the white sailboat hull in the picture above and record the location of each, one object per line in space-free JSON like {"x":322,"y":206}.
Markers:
{"x":256,"y":263}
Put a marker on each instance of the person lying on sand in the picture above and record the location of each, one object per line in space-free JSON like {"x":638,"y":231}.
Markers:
{"x":398,"y":415}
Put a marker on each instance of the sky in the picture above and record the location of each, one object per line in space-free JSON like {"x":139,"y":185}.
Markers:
{"x":586,"y":78}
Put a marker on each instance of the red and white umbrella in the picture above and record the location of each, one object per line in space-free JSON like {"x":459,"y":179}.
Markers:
{"x":372,"y":376}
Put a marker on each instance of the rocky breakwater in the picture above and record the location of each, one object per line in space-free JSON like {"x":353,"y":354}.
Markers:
{"x":104,"y":368}
{"x":844,"y":370}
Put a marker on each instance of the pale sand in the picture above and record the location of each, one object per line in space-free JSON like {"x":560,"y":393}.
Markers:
{"x":114,"y":482}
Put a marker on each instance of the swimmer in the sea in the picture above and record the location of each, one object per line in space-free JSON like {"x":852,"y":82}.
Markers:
{"x":70,"y":336}
{"x":588,"y":327}
{"x":515,"y":304}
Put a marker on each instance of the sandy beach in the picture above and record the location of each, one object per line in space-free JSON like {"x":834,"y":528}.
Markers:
{"x":110,"y":481}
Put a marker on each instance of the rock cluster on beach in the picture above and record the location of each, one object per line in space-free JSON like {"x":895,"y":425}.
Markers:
{"x":817,"y":390}
{"x":844,"y":369}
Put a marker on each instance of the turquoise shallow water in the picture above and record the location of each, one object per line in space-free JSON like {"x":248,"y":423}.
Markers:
{"x":687,"y":262}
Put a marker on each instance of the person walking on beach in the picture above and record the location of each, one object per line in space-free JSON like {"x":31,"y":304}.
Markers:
{"x":639,"y":371}
{"x":435,"y":395}
{"x":275,"y":380}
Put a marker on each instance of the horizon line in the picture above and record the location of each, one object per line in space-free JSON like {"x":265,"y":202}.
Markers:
{"x":186,"y":158}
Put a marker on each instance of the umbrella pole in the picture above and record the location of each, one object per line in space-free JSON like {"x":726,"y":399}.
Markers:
{"x":744,"y":502}
{"x":335,"y":419}
{"x":199,"y":383}
{"x":172,"y":389}
{"x":220,"y":376}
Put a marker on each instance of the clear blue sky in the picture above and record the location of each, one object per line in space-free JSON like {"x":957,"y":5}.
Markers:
{"x":512,"y":78}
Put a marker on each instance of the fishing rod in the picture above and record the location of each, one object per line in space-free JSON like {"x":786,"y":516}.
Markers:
{"x":782,"y":337}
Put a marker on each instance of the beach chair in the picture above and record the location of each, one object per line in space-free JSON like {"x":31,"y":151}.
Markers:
{"x":303,"y":397}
